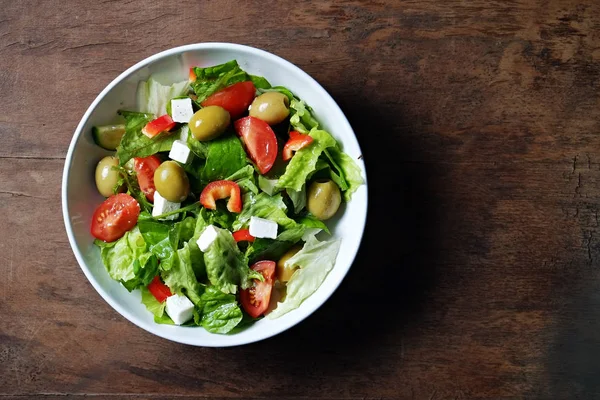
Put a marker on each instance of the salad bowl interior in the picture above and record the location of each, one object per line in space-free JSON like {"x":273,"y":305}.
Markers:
{"x":80,"y":196}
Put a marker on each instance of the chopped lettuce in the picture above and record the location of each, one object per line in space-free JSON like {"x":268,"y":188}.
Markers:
{"x":212,"y":79}
{"x":315,"y":260}
{"x":220,"y":312}
{"x":153,"y":97}
{"x":301,"y":117}
{"x":348,"y":168}
{"x":263,"y":206}
{"x":224,"y":157}
{"x":128,"y":260}
{"x":244,"y":177}
{"x":154,"y":306}
{"x":226,"y":267}
{"x":298,"y":198}
{"x":305,"y":161}
{"x":181,"y":277}
{"x":135,"y":144}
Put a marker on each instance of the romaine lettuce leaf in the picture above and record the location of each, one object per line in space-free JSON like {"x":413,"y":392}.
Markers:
{"x":224,"y":157}
{"x":244,"y":177}
{"x":212,"y":79}
{"x":153,"y":97}
{"x":304,"y":162}
{"x":220,"y":312}
{"x":181,"y":277}
{"x":263,"y":206}
{"x":226,"y":266}
{"x":298,"y":198}
{"x":128,"y":260}
{"x":315,"y":260}
{"x":135,"y":144}
{"x":301,"y":117}
{"x":153,"y":305}
{"x":349,"y":169}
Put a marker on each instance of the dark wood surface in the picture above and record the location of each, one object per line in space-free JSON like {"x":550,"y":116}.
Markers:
{"x":478,"y":276}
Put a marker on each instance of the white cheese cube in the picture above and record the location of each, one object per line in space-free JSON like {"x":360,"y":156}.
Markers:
{"x":208,"y":236}
{"x":180,"y":152}
{"x":181,"y":110}
{"x":162,"y":206}
{"x":263,"y":228}
{"x":180,"y":309}
{"x":183,"y":135}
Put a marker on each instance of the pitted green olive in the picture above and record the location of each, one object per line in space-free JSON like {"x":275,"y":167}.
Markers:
{"x":271,"y":107}
{"x":172,"y":182}
{"x":323,"y":198}
{"x":107,"y":177}
{"x":208,"y":123}
{"x":284,"y":274}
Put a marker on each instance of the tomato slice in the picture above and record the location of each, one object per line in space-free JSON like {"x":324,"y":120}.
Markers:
{"x":235,"y":98}
{"x":159,"y":290}
{"x":219,"y":190}
{"x":144,"y":169}
{"x":115,"y":216}
{"x":296,"y":142}
{"x":158,"y":125}
{"x":192,"y":74}
{"x":243,"y":235}
{"x":260,"y":141}
{"x":255,"y":300}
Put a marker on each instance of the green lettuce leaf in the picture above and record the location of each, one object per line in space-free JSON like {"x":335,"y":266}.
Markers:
{"x":164,"y":238}
{"x":153,"y":97}
{"x":298,"y":198}
{"x":263,"y":206}
{"x":225,"y":156}
{"x":315,"y":260}
{"x":301,"y":117}
{"x":226,"y":267}
{"x":135,"y":144}
{"x":260,"y":82}
{"x":349,"y":170}
{"x":154,"y":306}
{"x":212,"y":79}
{"x":128,"y":261}
{"x":220,"y":311}
{"x":244,"y":177}
{"x":181,"y":277}
{"x":304,"y":162}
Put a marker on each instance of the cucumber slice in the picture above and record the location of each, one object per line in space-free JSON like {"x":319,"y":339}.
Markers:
{"x":108,"y":136}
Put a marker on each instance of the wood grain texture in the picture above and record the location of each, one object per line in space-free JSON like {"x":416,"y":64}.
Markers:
{"x":477,"y":277}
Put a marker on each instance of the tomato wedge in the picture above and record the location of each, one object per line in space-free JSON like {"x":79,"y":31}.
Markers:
{"x":255,"y":300}
{"x":192,"y":75}
{"x":115,"y":216}
{"x":158,"y":125}
{"x":144,"y":169}
{"x":235,"y":98}
{"x":219,"y":190}
{"x":243,"y":235}
{"x":159,"y":290}
{"x":296,"y":142}
{"x":260,"y":141}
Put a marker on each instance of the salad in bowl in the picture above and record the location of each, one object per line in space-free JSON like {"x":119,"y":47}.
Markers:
{"x":220,"y":194}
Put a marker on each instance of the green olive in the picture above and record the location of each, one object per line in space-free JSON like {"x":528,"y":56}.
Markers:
{"x":271,"y":107}
{"x":323,"y":199}
{"x":284,"y":274}
{"x":172,"y":182}
{"x":107,"y":177}
{"x":208,"y":123}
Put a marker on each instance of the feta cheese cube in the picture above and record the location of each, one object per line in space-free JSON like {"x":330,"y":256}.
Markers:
{"x":263,"y":228}
{"x":181,"y":110}
{"x":162,"y":206}
{"x":180,"y":152}
{"x":183,"y":135}
{"x":180,"y":309}
{"x":208,"y":236}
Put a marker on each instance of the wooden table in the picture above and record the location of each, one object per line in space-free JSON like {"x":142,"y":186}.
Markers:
{"x":478,"y":275}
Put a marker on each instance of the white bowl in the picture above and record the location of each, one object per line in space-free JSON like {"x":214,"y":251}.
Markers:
{"x":80,"y":197}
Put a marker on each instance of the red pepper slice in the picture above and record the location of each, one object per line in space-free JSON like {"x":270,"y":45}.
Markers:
{"x":159,"y":290}
{"x":218,"y":190}
{"x":158,"y":125}
{"x":296,"y":142}
{"x":192,"y":75}
{"x":243,"y":235}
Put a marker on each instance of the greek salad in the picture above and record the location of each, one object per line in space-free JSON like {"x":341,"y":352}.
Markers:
{"x":214,"y":196}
